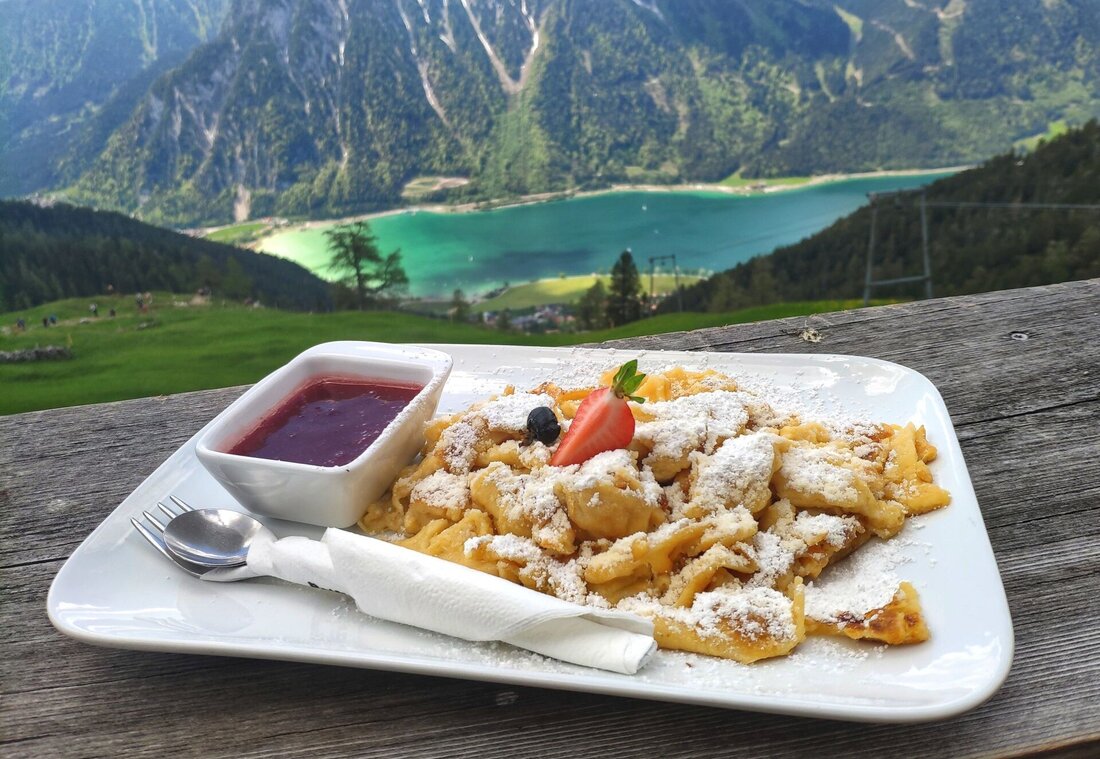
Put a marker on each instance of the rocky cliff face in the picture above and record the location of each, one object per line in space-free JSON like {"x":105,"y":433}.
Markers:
{"x":72,"y":72}
{"x":331,"y":106}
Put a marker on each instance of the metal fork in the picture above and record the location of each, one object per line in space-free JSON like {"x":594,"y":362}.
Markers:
{"x":155,"y":536}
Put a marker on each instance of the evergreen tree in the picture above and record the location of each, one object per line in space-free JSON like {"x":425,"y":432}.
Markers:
{"x":592,"y":307}
{"x":971,"y":248}
{"x":355,"y":254}
{"x":624,"y":302}
{"x":235,"y":283}
{"x":64,"y":251}
{"x":726,"y":297}
{"x":460,"y":307}
{"x":504,"y":321}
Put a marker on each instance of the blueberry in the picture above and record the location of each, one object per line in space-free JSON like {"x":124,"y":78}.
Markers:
{"x":542,"y":425}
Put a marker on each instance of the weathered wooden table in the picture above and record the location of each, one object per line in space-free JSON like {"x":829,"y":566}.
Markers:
{"x":1019,"y":370}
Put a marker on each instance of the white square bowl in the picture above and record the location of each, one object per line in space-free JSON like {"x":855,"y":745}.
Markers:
{"x":327,"y":496}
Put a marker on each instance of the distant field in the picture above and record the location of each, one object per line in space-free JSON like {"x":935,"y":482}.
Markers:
{"x":1053,"y":130}
{"x":421,"y":186}
{"x":239,"y":233}
{"x":176,"y":347}
{"x":172,"y":349}
{"x":568,"y":290}
{"x":736,"y":180}
{"x":692,"y":320}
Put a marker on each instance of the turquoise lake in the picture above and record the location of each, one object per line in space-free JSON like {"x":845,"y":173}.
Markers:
{"x":706,"y":231}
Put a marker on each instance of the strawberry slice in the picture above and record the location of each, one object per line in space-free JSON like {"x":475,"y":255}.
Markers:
{"x":603,"y":421}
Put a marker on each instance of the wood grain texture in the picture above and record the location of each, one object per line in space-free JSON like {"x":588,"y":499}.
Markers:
{"x":1026,"y":413}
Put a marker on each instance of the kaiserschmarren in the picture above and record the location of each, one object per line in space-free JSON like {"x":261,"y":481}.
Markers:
{"x":714,"y":523}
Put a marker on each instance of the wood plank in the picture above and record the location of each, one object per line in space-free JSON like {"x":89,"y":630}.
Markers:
{"x":52,"y":474}
{"x":1026,"y":415}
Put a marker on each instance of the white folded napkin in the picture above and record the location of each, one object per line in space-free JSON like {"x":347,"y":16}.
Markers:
{"x":401,"y":585}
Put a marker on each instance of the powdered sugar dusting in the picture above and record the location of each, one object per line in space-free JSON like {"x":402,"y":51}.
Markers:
{"x":754,"y":613}
{"x":442,"y":489}
{"x":865,"y":581}
{"x":738,"y":473}
{"x":457,"y":446}
{"x":601,"y":467}
{"x":671,"y":439}
{"x":722,"y":440}
{"x":507,"y":546}
{"x":562,"y":579}
{"x":774,"y":558}
{"x":698,"y":421}
{"x":529,"y":499}
{"x":833,"y":530}
{"x":508,"y":413}
{"x":818,"y":470}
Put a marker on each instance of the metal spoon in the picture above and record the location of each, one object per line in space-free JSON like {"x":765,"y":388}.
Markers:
{"x":212,"y":538}
{"x":156,"y":540}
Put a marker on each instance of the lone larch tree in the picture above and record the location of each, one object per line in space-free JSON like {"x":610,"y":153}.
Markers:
{"x":355,"y":256}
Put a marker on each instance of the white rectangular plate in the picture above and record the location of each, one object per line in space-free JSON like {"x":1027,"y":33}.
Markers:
{"x":115,"y":590}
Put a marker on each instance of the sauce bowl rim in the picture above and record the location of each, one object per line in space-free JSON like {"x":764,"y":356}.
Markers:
{"x":238,"y":416}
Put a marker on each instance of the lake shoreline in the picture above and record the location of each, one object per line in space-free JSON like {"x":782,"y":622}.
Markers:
{"x":753,"y":190}
{"x":744,"y":190}
{"x":535,"y":239}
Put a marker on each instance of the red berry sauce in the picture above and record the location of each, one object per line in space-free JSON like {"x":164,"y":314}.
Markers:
{"x":327,"y":422}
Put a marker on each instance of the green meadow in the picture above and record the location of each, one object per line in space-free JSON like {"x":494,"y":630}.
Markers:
{"x":238,"y":234}
{"x":1054,"y":129}
{"x":569,"y":290}
{"x":740,"y":182}
{"x":180,"y":344}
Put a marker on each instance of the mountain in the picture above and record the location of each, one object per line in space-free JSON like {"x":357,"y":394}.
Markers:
{"x":973,"y":248}
{"x":71,"y":72}
{"x":326,"y":107}
{"x":62,"y":251}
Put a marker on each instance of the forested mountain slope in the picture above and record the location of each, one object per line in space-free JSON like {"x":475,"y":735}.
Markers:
{"x":72,"y":71}
{"x":972,"y":249}
{"x":63,"y":252}
{"x":322,"y":107}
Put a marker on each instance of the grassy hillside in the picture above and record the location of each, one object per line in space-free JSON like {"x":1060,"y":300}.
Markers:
{"x":178,"y":346}
{"x":238,"y":234}
{"x":63,"y":251}
{"x":976,"y":247}
{"x":567,"y":290}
